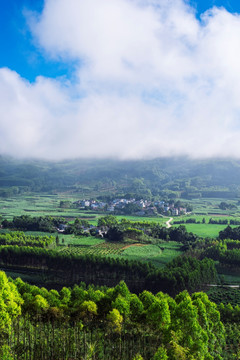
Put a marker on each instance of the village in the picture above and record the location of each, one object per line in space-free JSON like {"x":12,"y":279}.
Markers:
{"x":132,"y":206}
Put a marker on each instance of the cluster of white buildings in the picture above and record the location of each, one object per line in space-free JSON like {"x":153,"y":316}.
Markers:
{"x":170,"y":208}
{"x":145,"y":206}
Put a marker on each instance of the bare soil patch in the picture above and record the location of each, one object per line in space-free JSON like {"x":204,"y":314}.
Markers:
{"x":130,"y":245}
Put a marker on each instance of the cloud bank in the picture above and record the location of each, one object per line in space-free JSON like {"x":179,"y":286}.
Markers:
{"x":152,"y":80}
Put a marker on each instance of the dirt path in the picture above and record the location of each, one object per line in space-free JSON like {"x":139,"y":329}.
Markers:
{"x":225,"y":286}
{"x":130,"y":245}
{"x":168,"y":225}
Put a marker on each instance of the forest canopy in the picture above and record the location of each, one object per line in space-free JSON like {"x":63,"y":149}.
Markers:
{"x":132,"y":324}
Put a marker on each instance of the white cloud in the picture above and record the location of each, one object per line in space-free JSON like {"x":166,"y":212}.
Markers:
{"x":156,"y":81}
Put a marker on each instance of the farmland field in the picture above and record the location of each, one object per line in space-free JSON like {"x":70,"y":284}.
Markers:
{"x":224,"y":295}
{"x":158,"y":255}
{"x":102,"y":248}
{"x":35,"y":205}
{"x":209,"y":206}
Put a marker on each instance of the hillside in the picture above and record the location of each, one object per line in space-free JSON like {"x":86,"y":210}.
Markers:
{"x":174,"y":177}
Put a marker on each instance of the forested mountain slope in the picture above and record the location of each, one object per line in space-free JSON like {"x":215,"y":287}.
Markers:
{"x":180,"y":176}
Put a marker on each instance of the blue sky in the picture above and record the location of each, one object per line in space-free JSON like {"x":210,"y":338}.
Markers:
{"x":18,"y":48}
{"x":120,"y":78}
{"x":230,"y":5}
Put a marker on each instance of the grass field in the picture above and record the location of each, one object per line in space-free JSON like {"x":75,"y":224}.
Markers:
{"x":154,"y":253}
{"x":205,"y":230}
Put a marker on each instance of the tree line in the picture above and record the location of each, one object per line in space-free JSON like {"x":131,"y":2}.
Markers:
{"x":21,"y":239}
{"x":182,"y":273}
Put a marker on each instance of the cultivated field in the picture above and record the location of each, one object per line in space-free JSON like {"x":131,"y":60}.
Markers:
{"x":210,"y":206}
{"x":159,"y":255}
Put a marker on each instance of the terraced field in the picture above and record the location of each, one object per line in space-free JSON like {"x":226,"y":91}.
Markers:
{"x":159,"y":255}
{"x":102,"y":249}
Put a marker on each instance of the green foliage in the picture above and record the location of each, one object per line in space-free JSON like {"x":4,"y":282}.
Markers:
{"x":226,"y":251}
{"x":161,"y":354}
{"x":65,"y":204}
{"x":181,"y":273}
{"x":115,"y":233}
{"x":20,"y":238}
{"x":10,"y":305}
{"x":164,"y":328}
{"x":28,"y":223}
{"x":107,"y":221}
{"x":138,"y":357}
{"x":122,"y":306}
{"x":88,"y":309}
{"x":115,"y":320}
{"x":131,"y":208}
{"x":158,"y":314}
{"x":211,"y":178}
{"x":230,"y":233}
{"x":40,"y":304}
{"x":224,"y":205}
{"x":65,"y":295}
{"x":136,"y":307}
{"x":78,"y":227}
{"x":6,"y":353}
